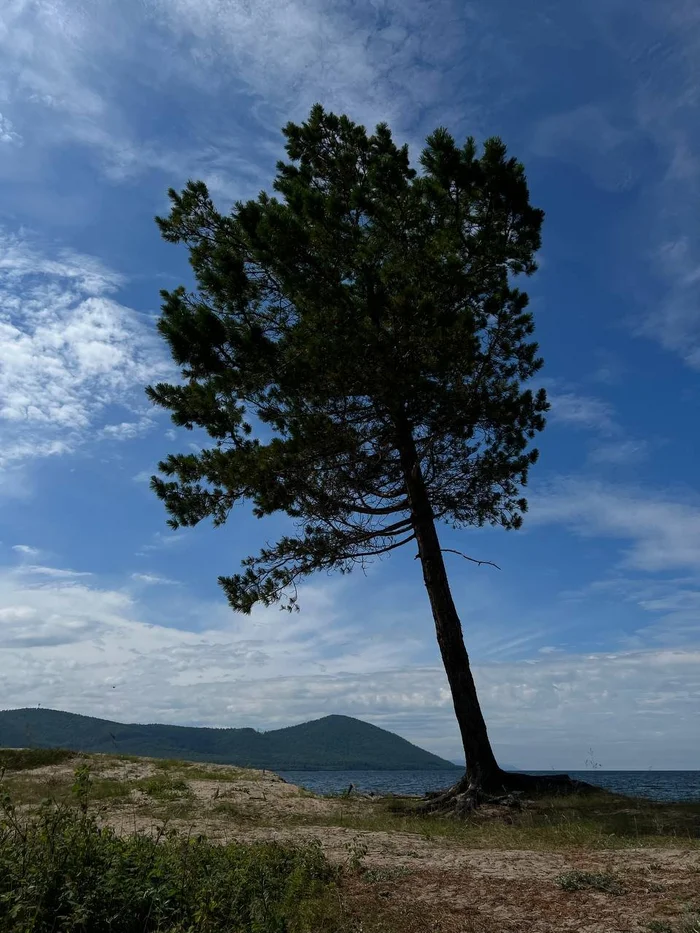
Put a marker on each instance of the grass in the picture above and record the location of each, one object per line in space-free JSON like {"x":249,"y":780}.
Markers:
{"x":598,"y":821}
{"x":587,"y":880}
{"x":361,"y":895}
{"x":690,"y":923}
{"x":32,"y":792}
{"x":236,"y":813}
{"x":25,"y":759}
{"x":61,"y":872}
{"x":164,"y":787}
{"x":223,"y":776}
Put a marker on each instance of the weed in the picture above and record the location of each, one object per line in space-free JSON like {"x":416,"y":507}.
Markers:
{"x":690,"y":923}
{"x":59,"y":871}
{"x":237,"y":813}
{"x":583,"y":880}
{"x":170,"y":764}
{"x":357,"y":851}
{"x":163,"y":787}
{"x":24,"y":759}
{"x":383,"y":875}
{"x":223,"y":775}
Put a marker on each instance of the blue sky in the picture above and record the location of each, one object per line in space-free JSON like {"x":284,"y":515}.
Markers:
{"x":589,"y":636}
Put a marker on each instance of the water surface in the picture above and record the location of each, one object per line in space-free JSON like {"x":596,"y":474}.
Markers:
{"x":656,"y":785}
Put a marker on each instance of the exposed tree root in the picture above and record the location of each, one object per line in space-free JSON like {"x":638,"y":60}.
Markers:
{"x":502,"y":789}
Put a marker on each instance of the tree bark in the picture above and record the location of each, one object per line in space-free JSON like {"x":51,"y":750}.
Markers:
{"x":482,"y":772}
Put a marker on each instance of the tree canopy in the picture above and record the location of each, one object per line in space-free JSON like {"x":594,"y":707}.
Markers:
{"x":360,"y":326}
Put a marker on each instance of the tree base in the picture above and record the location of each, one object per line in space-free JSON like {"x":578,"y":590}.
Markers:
{"x":501,"y":789}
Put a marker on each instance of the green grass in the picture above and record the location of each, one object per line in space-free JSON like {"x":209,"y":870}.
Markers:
{"x":164,"y":787}
{"x":599,"y":821}
{"x":61,"y":873}
{"x":30,"y":791}
{"x":587,"y":880}
{"x":24,"y":759}
{"x":690,"y":923}
{"x":236,"y":813}
{"x":229,"y":775}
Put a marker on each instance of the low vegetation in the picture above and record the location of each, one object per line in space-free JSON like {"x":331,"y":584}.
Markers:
{"x":25,"y":759}
{"x":62,"y":871}
{"x":590,"y":880}
{"x":96,"y":843}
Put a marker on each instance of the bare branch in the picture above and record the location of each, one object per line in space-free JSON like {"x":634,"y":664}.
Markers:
{"x":449,"y":550}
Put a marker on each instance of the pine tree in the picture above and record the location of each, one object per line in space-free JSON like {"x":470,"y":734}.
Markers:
{"x":359,"y":352}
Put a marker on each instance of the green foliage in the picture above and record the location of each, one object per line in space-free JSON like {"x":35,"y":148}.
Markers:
{"x":587,"y":880}
{"x":334,"y":742}
{"x":23,"y":759}
{"x":356,"y":331}
{"x":165,"y":788}
{"x":606,"y":822}
{"x":61,"y":872}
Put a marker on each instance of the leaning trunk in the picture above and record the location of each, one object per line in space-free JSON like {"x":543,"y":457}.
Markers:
{"x":483,"y":773}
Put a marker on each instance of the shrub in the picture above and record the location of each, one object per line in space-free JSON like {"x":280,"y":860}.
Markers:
{"x":23,"y":759}
{"x":598,"y":881}
{"x":60,"y":871}
{"x":164,"y":787}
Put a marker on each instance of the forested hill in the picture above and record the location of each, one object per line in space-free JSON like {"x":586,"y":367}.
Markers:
{"x":331,"y":743}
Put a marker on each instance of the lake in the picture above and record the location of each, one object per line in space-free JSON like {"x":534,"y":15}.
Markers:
{"x":657,"y":785}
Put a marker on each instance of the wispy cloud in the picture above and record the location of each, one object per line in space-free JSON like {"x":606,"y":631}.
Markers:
{"x":577,"y":410}
{"x":161,"y":541}
{"x":68,"y":349}
{"x":583,"y":411}
{"x":622,"y":451}
{"x":152,"y":579}
{"x":7,"y":132}
{"x":595,"y":141}
{"x":660,"y":533}
{"x":675,"y":322}
{"x":56,"y":572}
{"x":26,"y":549}
{"x":128,"y":430}
{"x":98,"y":651}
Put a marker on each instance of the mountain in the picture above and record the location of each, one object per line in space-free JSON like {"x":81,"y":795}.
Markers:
{"x":334,"y":743}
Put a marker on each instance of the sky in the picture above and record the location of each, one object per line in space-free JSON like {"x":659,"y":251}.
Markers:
{"x":586,"y":643}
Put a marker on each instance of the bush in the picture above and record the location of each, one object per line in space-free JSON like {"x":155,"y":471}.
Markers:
{"x":23,"y":759}
{"x":582,"y":880}
{"x":61,"y":872}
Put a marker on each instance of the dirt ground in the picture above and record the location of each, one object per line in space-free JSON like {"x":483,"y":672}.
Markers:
{"x":417,"y":882}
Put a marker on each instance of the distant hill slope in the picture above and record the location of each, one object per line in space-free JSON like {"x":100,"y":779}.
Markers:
{"x":333,"y":743}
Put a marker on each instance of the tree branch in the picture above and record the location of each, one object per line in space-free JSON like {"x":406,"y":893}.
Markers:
{"x":449,"y":550}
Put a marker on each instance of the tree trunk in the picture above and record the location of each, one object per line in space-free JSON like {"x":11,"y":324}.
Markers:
{"x":482,"y":771}
{"x":483,"y":780}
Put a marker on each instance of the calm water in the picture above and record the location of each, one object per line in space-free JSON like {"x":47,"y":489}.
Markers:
{"x":657,"y":785}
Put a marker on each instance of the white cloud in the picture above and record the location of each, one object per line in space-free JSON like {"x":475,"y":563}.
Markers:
{"x":662,"y":533}
{"x":675,"y":323}
{"x":590,"y":413}
{"x":128,"y":430}
{"x":593,"y":140}
{"x":26,"y":549}
{"x":162,"y":541}
{"x":582,"y":411}
{"x":77,"y":646}
{"x":295,"y":53}
{"x":620,"y":452}
{"x":67,"y":351}
{"x":56,"y":572}
{"x":7,"y":133}
{"x":278,"y":59}
{"x":152,"y":579}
